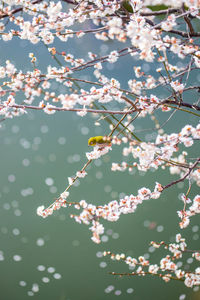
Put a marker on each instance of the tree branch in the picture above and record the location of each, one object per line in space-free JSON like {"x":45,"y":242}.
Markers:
{"x":14,"y":11}
{"x":98,"y":111}
{"x":184,"y":177}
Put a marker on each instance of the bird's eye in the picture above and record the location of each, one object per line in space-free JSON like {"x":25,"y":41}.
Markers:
{"x":91,"y":143}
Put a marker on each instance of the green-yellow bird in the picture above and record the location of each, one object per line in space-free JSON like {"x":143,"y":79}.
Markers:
{"x":101,"y":141}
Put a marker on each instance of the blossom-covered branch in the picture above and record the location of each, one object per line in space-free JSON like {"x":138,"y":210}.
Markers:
{"x":168,"y":269}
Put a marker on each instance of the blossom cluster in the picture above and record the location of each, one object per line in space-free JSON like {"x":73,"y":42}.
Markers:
{"x":98,"y":152}
{"x":60,"y":202}
{"x":192,"y":210}
{"x":168,"y":269}
{"x":162,"y":152}
{"x":91,"y":214}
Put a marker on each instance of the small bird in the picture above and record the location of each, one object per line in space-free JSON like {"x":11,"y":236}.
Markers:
{"x":101,"y":141}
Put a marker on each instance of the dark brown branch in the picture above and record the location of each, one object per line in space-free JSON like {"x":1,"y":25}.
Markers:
{"x":184,"y":177}
{"x":192,"y":106}
{"x":14,"y":11}
{"x":178,"y":32}
{"x":146,"y":273}
{"x":70,"y":1}
{"x":187,"y":20}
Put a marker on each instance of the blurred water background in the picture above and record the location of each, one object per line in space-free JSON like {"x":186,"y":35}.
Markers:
{"x":54,"y":258}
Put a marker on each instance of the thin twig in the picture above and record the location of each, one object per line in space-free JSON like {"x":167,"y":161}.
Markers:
{"x":112,"y":112}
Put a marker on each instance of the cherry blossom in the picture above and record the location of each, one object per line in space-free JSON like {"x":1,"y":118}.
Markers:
{"x":146,"y":37}
{"x":167,"y":268}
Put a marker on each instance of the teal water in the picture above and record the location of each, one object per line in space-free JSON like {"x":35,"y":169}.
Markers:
{"x":38,"y":153}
